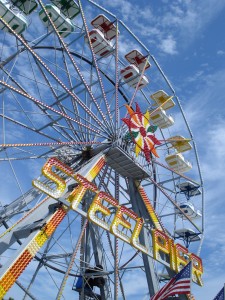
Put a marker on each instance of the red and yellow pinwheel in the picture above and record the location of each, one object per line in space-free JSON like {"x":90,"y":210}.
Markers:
{"x":141,"y":132}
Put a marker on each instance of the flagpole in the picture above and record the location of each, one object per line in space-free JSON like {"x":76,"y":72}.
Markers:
{"x":191,"y":277}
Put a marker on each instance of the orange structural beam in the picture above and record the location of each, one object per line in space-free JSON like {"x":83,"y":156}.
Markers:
{"x":157,"y":223}
{"x":25,"y":257}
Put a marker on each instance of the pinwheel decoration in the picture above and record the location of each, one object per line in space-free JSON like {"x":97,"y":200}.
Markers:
{"x":141,"y":132}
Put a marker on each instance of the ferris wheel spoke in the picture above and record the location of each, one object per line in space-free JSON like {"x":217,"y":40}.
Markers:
{"x":117,"y":78}
{"x":14,"y":174}
{"x":44,"y":110}
{"x":181,"y":175}
{"x":75,"y":107}
{"x":51,"y":144}
{"x":175,"y":204}
{"x":57,"y":240}
{"x":76,"y":67}
{"x":95,"y":62}
{"x":85,"y":121}
{"x":47,"y":106}
{"x":119,"y":277}
{"x":37,"y":131}
{"x":26,"y":127}
{"x":60,"y":106}
{"x":53,"y":75}
{"x":64,"y":133}
{"x":53,"y":280}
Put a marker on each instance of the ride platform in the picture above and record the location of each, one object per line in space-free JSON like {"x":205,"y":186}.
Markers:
{"x":124,"y":164}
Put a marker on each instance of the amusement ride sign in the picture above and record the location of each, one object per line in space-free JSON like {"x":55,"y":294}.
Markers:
{"x":103,"y":205}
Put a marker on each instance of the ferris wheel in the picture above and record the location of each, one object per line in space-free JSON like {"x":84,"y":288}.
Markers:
{"x":101,"y":188}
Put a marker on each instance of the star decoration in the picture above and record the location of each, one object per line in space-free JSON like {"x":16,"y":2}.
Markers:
{"x":141,"y":132}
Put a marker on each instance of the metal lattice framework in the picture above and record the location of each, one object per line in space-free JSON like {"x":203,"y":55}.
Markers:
{"x":63,"y":91}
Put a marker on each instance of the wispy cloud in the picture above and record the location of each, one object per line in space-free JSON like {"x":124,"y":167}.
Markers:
{"x":170,"y":26}
{"x":169,"y":45}
{"x":220,"y":52}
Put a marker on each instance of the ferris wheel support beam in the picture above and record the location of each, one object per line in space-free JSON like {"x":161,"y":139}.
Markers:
{"x":153,"y":284}
{"x":19,"y":204}
{"x":40,"y":264}
{"x":71,"y":262}
{"x":28,"y":293}
{"x":34,"y":220}
{"x":149,"y":266}
{"x":99,"y":258}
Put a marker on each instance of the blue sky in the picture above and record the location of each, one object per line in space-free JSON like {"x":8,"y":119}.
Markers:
{"x":187,"y":39}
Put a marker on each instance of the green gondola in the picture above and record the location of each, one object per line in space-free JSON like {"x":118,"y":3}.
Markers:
{"x":62,"y":24}
{"x":13,"y":17}
{"x":68,"y":7}
{"x":27,"y":6}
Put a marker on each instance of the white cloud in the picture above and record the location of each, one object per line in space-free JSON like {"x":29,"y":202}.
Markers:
{"x":195,"y":76}
{"x":215,"y":152}
{"x":220,"y":52}
{"x":168,"y":45}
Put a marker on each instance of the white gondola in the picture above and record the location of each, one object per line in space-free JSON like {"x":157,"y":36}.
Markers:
{"x":101,"y":46}
{"x":27,"y":6}
{"x":62,"y":24}
{"x":177,"y":162}
{"x":136,"y":58}
{"x":68,"y":7}
{"x":189,"y":209}
{"x":180,"y":143}
{"x":160,"y":97}
{"x":131,"y":75}
{"x":108,"y":28}
{"x":13,"y":17}
{"x":161,"y":119}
